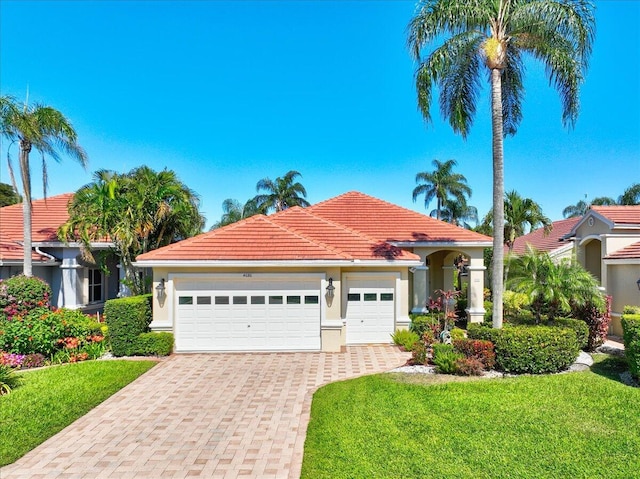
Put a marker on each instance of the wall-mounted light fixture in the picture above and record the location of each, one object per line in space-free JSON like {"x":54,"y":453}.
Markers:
{"x":331,"y":289}
{"x":638,"y":283}
{"x":161,"y":291}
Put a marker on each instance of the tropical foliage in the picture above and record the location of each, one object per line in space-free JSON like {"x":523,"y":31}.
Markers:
{"x":445,"y":186}
{"x":50,"y":133}
{"x":137,"y":211}
{"x":498,"y":35}
{"x":457,"y":213}
{"x":553,"y":288}
{"x":233,"y":211}
{"x":8,"y":195}
{"x":630,"y":197}
{"x":280,"y":194}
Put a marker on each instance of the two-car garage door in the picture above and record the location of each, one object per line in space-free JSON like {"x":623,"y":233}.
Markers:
{"x":247,"y":314}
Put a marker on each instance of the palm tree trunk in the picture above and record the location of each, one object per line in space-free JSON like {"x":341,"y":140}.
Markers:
{"x":498,"y":196}
{"x":27,"y":267}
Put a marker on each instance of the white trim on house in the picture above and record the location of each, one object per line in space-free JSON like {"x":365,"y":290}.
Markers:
{"x":440,"y":244}
{"x":72,"y":244}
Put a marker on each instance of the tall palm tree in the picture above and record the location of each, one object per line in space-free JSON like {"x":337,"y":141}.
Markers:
{"x":631,"y":196}
{"x":574,"y":211}
{"x":280,"y":194}
{"x":441,"y":184}
{"x":497,"y":34}
{"x":522,"y":215}
{"x":49,"y":132}
{"x":457,"y":213}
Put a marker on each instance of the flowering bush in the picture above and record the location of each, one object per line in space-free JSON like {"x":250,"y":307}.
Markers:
{"x":20,"y":294}
{"x":11,"y":359}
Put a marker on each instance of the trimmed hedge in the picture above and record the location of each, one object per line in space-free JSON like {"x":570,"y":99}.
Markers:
{"x":580,"y":327}
{"x":530,"y":349}
{"x":20,"y":294}
{"x":153,"y":344}
{"x":631,"y":338}
{"x":126,"y":319}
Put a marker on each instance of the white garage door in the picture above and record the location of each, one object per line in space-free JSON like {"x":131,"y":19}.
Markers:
{"x":250,"y":315}
{"x":370,"y":311}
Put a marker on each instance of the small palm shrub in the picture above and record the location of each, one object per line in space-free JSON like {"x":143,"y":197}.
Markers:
{"x":444,"y":358}
{"x":8,"y":379}
{"x":405,"y":339}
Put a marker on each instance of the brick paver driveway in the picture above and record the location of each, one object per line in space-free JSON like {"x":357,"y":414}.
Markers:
{"x":202,"y":415}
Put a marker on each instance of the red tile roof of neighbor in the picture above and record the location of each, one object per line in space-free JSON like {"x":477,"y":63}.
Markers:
{"x":620,"y":214}
{"x":630,"y":252}
{"x":545,"y":242}
{"x":47,"y":216}
{"x":349,"y":227}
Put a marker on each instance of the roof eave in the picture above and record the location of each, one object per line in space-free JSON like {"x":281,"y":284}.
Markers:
{"x":274,"y":263}
{"x":413,"y":244}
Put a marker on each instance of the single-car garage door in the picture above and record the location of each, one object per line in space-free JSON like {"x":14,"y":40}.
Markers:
{"x":370,"y":310}
{"x":247,"y":315}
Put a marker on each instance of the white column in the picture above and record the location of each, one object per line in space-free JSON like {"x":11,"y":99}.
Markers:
{"x":71,"y":285}
{"x":448,"y":277}
{"x":420,"y":289}
{"x":475,"y":297}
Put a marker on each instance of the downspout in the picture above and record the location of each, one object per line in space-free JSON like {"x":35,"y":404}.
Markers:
{"x":46,"y":255}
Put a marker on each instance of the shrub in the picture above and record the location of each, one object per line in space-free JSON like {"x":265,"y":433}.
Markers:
{"x":457,"y":333}
{"x":405,"y":339}
{"x":33,"y":361}
{"x":488,"y":312}
{"x":596,"y":319}
{"x":444,"y":358}
{"x":630,"y":309}
{"x":419,"y":353}
{"x":481,"y":350}
{"x":514,"y":303}
{"x":469,"y":367}
{"x":535,"y":349}
{"x":126,"y":319}
{"x":631,"y":338}
{"x":420,"y":323}
{"x":8,"y":379}
{"x":483,"y":332}
{"x":154,"y":344}
{"x":21,"y":294}
{"x":428,"y":337}
{"x":12,"y":360}
{"x":579,"y":327}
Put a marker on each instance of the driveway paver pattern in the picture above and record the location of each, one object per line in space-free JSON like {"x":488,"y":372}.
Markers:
{"x":203,"y":415}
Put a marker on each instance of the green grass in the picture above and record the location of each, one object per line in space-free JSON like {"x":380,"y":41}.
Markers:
{"x":578,"y":425}
{"x":50,"y":399}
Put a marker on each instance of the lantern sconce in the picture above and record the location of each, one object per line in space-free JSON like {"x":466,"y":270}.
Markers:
{"x":161,"y":291}
{"x":638,"y":283}
{"x":330,"y":292}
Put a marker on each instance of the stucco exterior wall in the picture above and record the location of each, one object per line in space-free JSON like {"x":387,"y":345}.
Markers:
{"x":622,"y":286}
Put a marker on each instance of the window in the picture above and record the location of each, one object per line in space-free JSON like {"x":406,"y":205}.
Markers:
{"x":370,"y":296}
{"x":95,"y":285}
{"x":239,"y":300}
{"x":310,"y":300}
{"x":185,"y":300}
{"x":203,"y":300}
{"x":386,"y":296}
{"x":222,"y":299}
{"x":353,"y":297}
{"x":257,"y":299}
{"x":293,"y":299}
{"x":275,"y":299}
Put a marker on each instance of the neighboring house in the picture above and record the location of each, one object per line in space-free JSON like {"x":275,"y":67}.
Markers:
{"x":553,"y":242}
{"x":348,"y":270}
{"x":75,"y":283}
{"x":607,"y":243}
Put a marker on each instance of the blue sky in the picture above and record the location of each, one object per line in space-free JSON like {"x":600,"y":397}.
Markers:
{"x":227,"y":93}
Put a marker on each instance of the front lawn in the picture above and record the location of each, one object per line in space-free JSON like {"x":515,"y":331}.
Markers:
{"x":578,"y":425}
{"x":50,"y":399}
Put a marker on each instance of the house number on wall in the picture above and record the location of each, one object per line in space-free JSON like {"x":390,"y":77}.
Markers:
{"x":247,"y":275}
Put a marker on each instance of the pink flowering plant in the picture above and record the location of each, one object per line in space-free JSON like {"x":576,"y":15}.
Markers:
{"x":20,"y":294}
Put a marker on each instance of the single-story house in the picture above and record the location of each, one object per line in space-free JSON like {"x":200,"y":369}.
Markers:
{"x":607,"y":243}
{"x":348,"y":270}
{"x":75,"y":283}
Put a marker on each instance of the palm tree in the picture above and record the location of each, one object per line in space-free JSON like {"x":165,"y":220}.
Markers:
{"x":233,"y":211}
{"x":553,"y":288}
{"x":441,"y":184}
{"x":138,"y":211}
{"x":8,"y":195}
{"x":574,"y":211}
{"x":280,"y":194}
{"x":457,"y":213}
{"x":497,"y":34}
{"x":49,"y":132}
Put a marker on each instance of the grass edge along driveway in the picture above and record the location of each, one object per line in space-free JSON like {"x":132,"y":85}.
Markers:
{"x":578,"y":425}
{"x":50,"y":399}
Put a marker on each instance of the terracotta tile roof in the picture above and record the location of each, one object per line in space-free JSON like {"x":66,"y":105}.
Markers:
{"x":47,"y":216}
{"x":622,"y":215}
{"x":11,"y":251}
{"x":388,"y":222}
{"x":543,"y":242}
{"x":352,"y":226}
{"x":630,"y":252}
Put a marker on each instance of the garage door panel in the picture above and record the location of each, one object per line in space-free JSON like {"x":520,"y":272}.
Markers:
{"x":241,"y":316}
{"x":370,"y":313}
